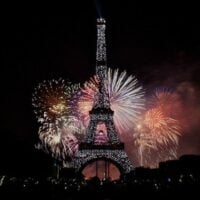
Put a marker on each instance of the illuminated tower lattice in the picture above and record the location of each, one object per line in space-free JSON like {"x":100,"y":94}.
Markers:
{"x":102,"y":141}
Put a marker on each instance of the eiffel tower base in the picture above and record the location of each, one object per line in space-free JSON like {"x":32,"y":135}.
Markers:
{"x":95,"y":152}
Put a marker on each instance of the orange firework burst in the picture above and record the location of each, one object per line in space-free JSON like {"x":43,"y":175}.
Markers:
{"x":156,"y":137}
{"x":164,"y":129}
{"x":167,"y":101}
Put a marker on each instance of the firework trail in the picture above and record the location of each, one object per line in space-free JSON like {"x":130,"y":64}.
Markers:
{"x":58,"y":126}
{"x":125,"y":94}
{"x":143,"y":141}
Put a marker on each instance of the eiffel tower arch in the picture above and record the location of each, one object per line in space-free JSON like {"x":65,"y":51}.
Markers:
{"x":102,"y":141}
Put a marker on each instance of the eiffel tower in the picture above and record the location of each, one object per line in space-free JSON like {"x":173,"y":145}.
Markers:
{"x":102,"y":141}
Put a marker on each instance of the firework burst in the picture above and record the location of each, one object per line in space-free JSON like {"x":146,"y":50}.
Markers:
{"x":166,"y":100}
{"x":59,"y":128}
{"x":59,"y":138}
{"x":86,"y":99}
{"x":125,"y":94}
{"x":164,"y":129}
{"x":156,"y":137}
{"x":52,"y":98}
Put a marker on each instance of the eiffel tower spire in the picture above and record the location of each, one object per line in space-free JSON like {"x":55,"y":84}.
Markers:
{"x":102,"y":99}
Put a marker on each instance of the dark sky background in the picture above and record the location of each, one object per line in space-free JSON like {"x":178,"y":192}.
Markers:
{"x":161,"y":47}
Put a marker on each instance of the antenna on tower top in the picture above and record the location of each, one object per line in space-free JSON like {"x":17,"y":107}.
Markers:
{"x":98,"y":8}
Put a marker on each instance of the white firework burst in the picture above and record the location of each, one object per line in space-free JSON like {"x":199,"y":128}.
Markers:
{"x":54,"y":111}
{"x":125,"y":94}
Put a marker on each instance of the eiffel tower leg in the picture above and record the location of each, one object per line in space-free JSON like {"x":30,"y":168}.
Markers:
{"x":96,"y":168}
{"x":108,"y":169}
{"x":141,"y":155}
{"x":105,"y":169}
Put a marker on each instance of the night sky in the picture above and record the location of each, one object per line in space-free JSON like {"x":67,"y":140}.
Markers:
{"x":161,"y":47}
